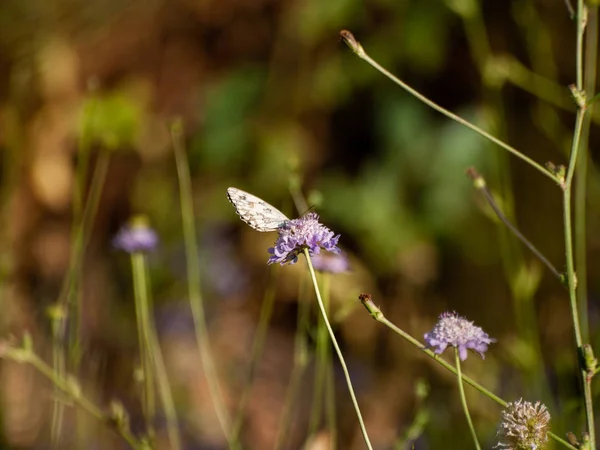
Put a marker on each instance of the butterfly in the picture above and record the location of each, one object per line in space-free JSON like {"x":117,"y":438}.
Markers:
{"x":256,"y":212}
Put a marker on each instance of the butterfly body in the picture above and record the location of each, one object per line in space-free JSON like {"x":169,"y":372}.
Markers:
{"x":256,"y":212}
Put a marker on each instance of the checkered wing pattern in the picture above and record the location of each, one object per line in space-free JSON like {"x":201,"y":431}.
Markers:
{"x":256,"y":212}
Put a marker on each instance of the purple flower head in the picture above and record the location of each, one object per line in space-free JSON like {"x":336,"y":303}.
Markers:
{"x":524,"y":425}
{"x":331,"y":263}
{"x":298,"y":234}
{"x":136,"y":236}
{"x":452,"y":329}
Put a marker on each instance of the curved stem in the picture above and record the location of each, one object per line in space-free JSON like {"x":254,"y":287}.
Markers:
{"x":480,"y":184}
{"x":72,"y":391}
{"x":378,"y":315}
{"x":363,"y":429}
{"x":68,"y":308}
{"x":463,"y":399}
{"x":193,"y":275}
{"x":360,"y":52}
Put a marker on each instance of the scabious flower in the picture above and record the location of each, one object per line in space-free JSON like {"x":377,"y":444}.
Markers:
{"x":331,"y":263}
{"x":303,"y":233}
{"x":452,"y":329}
{"x":136,"y":236}
{"x":524,"y":425}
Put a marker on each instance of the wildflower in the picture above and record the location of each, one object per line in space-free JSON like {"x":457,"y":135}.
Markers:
{"x":303,"y":233}
{"x":331,"y":263}
{"x":524,"y":425}
{"x":136,"y":236}
{"x":452,"y":329}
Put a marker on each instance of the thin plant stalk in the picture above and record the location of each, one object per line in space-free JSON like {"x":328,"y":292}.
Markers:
{"x":320,"y":377}
{"x":463,"y":399}
{"x":481,"y":185}
{"x":523,"y":303}
{"x":331,"y":414}
{"x":378,"y":315}
{"x":144,"y":342}
{"x":154,"y":357}
{"x":81,"y":176}
{"x":329,"y":370}
{"x":67,"y":308}
{"x":81,"y":236}
{"x":589,"y":80}
{"x":495,"y":115}
{"x":84,"y":212}
{"x":300,"y":363}
{"x":355,"y":46}
{"x":512,"y":257}
{"x":591,"y":59}
{"x":69,"y":388}
{"x":193,"y":276}
{"x":59,"y":366}
{"x":580,"y":97}
{"x":164,"y":389}
{"x":325,"y":370}
{"x":572,"y":282}
{"x":321,"y":364}
{"x":363,"y":429}
{"x":266,"y":312}
{"x":84,"y":147}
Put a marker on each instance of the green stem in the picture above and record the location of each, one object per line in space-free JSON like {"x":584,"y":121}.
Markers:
{"x":166,"y":395}
{"x":67,"y":308}
{"x":539,"y":86}
{"x":591,"y":61}
{"x":378,"y":315}
{"x":73,"y":392}
{"x":331,"y":415}
{"x":572,"y":282}
{"x":320,"y":373}
{"x":363,"y":429}
{"x":144,"y":341}
{"x":579,"y":120}
{"x":81,"y":236}
{"x":329,"y":373}
{"x":81,"y":176}
{"x":58,"y":363}
{"x":360,"y":52}
{"x":480,"y":184}
{"x":581,"y":19}
{"x":463,"y":399}
{"x":321,"y":365}
{"x":193,"y":275}
{"x":154,"y":353}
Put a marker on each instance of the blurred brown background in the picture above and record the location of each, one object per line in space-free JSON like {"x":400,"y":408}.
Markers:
{"x":270,"y":97}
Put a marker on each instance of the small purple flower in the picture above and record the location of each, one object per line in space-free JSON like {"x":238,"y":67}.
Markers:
{"x":452,"y":329}
{"x":136,"y":236}
{"x":524,"y":425}
{"x":303,"y":233}
{"x":331,"y":263}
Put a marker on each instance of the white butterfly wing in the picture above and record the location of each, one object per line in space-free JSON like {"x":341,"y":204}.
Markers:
{"x":256,"y":212}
